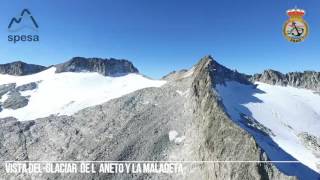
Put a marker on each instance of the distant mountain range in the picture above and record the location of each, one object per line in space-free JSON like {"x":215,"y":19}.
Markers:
{"x":103,"y":109}
{"x":106,"y":67}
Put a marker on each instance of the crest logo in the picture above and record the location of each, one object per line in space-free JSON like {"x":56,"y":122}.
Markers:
{"x":295,"y":29}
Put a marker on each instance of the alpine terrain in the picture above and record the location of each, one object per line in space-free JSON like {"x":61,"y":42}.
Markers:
{"x":219,"y":123}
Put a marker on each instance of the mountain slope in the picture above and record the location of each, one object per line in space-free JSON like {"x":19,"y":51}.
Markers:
{"x":142,"y":126}
{"x":49,"y":93}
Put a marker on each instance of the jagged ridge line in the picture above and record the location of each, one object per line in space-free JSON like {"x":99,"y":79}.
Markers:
{"x":21,"y":17}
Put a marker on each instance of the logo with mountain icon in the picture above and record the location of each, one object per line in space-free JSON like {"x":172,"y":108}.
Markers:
{"x":20,"y":26}
{"x":25,"y":20}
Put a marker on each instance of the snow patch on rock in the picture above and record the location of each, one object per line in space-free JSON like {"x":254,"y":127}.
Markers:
{"x":173,"y":137}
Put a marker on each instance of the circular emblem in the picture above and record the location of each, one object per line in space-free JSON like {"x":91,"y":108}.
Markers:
{"x":295,"y":29}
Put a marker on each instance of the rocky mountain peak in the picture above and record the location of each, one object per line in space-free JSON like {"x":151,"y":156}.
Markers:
{"x":19,"y":68}
{"x":106,"y":67}
{"x":218,"y":72}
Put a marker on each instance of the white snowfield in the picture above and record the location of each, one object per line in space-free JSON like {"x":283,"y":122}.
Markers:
{"x":67,"y":93}
{"x":286,"y":111}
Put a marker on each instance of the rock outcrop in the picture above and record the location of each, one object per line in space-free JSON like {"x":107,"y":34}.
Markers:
{"x":137,"y":127}
{"x":106,"y":67}
{"x":5,"y":88}
{"x":19,"y":68}
{"x":306,"y":79}
{"x":15,"y":101}
{"x":14,"y":98}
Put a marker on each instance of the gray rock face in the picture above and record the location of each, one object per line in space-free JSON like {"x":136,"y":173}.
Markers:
{"x":20,"y":68}
{"x":15,"y":100}
{"x":306,"y":79}
{"x":137,"y":126}
{"x":106,"y":67}
{"x":5,"y":88}
{"x":27,"y":87}
{"x":222,"y":139}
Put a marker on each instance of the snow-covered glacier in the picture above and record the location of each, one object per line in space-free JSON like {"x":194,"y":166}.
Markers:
{"x":289,"y":117}
{"x":68,"y":92}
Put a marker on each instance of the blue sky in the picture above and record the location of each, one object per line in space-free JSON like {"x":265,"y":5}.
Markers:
{"x":160,"y":36}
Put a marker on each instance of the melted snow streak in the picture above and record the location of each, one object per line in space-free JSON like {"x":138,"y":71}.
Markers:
{"x":277,"y":116}
{"x":67,"y":93}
